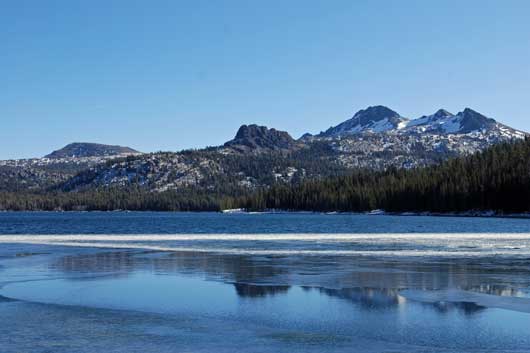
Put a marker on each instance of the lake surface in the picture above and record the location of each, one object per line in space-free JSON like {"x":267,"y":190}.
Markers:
{"x":205,"y":282}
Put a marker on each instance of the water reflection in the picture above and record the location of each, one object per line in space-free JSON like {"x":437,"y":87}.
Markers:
{"x":369,"y":283}
{"x":5,"y":300}
{"x":114,"y":264}
{"x":468,"y":308}
{"x":245,"y":290}
{"x":309,"y":271}
{"x":389,"y":299}
{"x":367,"y":298}
{"x":495,"y":289}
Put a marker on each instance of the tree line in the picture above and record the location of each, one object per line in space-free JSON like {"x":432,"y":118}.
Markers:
{"x":496,"y":179}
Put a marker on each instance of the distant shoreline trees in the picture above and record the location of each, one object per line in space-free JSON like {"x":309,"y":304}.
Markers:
{"x":496,"y":179}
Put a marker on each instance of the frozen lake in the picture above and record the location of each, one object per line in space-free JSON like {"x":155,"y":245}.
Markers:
{"x":166,"y":282}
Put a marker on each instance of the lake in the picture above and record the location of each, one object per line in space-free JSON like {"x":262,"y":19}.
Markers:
{"x":208,"y":282}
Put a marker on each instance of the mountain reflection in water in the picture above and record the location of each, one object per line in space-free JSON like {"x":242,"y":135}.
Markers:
{"x":372,"y":284}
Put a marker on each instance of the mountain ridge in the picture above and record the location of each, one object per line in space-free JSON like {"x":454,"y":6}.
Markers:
{"x":375,"y":138}
{"x":380,"y":119}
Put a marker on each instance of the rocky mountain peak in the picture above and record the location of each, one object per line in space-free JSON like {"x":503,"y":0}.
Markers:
{"x":471,"y":120}
{"x":374,"y":114}
{"x":382,"y":120}
{"x":373,"y":119}
{"x":442,"y":113}
{"x":254,"y":137}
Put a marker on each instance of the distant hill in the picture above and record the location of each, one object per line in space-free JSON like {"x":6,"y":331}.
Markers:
{"x":86,"y":149}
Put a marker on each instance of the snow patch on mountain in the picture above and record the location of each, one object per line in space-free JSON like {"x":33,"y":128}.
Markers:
{"x":380,"y":119}
{"x":440,"y":122}
{"x":377,"y":119}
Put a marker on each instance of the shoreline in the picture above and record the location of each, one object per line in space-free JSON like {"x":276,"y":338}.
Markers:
{"x":467,"y":214}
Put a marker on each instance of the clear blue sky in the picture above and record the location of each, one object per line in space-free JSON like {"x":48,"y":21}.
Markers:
{"x":168,"y":75}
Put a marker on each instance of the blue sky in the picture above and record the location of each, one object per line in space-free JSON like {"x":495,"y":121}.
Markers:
{"x":168,"y":75}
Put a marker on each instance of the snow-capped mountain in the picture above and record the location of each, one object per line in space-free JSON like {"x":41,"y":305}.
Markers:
{"x":378,"y":137}
{"x":380,"y":119}
{"x":374,"y":138}
{"x":465,"y":122}
{"x":440,"y":122}
{"x":372,"y":119}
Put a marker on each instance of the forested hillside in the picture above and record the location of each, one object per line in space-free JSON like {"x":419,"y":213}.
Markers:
{"x":497,"y":179}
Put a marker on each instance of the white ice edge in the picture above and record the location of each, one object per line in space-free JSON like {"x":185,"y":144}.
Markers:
{"x":266,"y":237}
{"x":455,"y":244}
{"x":266,"y":252}
{"x":459,"y":296}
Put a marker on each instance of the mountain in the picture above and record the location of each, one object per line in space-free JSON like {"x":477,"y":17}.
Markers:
{"x":496,"y":180}
{"x":376,"y":138}
{"x":379,"y":138}
{"x":57,"y":167}
{"x":213,"y":170}
{"x":380,"y":119}
{"x":260,"y":138}
{"x":465,"y":122}
{"x":85,"y":149}
{"x":471,"y":121}
{"x":440,"y":122}
{"x":370,"y":120}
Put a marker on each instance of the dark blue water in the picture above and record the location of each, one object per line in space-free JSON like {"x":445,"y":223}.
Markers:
{"x":164,"y":282}
{"x":171,"y":223}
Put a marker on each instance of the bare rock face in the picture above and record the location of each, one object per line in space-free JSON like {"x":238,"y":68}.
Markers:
{"x":474,"y":121}
{"x":261,"y":138}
